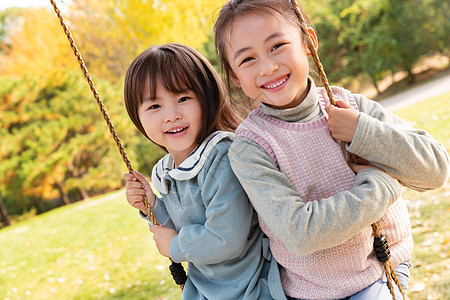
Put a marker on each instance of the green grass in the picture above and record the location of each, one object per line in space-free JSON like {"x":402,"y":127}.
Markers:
{"x":429,"y":211}
{"x":101,"y":249}
{"x":91,"y":250}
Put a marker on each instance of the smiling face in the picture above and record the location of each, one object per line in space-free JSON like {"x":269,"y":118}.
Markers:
{"x":172,"y":120}
{"x":269,"y":59}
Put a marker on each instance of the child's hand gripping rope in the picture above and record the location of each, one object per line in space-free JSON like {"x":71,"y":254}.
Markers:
{"x":137,"y":187}
{"x":342,"y":120}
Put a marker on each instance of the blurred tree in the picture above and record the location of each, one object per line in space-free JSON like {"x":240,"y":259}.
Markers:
{"x":37,"y":46}
{"x":412,"y":31}
{"x":109,"y":33}
{"x":372,"y":47}
{"x":440,"y":18}
{"x":374,"y":37}
{"x":4,"y":216}
{"x":8,"y":19}
{"x":333,"y":47}
{"x":133,"y":26}
{"x":209,"y":51}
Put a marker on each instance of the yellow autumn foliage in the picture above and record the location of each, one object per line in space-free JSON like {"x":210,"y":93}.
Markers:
{"x":38,"y":46}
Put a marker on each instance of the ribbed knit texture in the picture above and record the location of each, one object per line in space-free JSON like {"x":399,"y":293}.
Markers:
{"x":317,"y":167}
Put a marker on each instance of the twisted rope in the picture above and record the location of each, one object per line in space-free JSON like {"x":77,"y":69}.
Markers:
{"x":387,"y":266}
{"x":176,"y":269}
{"x":314,"y":54}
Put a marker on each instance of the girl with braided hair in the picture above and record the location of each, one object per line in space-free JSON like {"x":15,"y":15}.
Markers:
{"x":313,"y":207}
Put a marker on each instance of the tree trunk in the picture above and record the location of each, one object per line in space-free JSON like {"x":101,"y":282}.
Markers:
{"x":84,"y":193}
{"x":63,"y":195}
{"x":4,"y":213}
{"x":411,"y":77}
{"x":375,"y":84}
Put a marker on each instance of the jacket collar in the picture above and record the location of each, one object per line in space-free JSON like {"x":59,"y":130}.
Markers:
{"x":190,"y":167}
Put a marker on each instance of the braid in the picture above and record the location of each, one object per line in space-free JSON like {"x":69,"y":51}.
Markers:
{"x":314,"y":54}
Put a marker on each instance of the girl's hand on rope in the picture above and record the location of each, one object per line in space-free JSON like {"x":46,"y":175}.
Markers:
{"x":342,"y":120}
{"x":163,"y":237}
{"x":137,"y":187}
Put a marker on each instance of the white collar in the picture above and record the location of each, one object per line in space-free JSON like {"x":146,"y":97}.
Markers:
{"x":190,"y":167}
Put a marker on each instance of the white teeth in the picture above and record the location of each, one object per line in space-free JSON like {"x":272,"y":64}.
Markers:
{"x":176,"y":130}
{"x":277,"y":84}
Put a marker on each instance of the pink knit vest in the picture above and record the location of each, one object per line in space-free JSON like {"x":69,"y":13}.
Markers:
{"x":317,"y":167}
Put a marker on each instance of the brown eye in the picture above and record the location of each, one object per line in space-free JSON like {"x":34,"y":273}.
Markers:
{"x":277,"y":46}
{"x":246,"y":60}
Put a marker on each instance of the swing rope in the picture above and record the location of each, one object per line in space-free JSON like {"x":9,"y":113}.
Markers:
{"x":380,"y":244}
{"x":176,"y":269}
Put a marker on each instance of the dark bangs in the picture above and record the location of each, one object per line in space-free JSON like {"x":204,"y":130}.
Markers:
{"x":173,"y":70}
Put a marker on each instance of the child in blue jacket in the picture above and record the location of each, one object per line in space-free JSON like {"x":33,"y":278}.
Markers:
{"x":176,"y":99}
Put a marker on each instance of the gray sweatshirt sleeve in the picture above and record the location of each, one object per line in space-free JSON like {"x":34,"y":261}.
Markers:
{"x":307,"y":227}
{"x":410,"y":155}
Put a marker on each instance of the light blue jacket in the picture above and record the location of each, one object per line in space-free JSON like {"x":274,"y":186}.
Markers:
{"x":228,"y":256}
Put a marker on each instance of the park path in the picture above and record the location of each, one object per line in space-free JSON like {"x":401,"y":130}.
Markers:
{"x":417,"y":94}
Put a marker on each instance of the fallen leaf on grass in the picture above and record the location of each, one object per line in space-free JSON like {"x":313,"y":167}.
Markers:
{"x":427,"y":242}
{"x":434,"y":297}
{"x":417,"y":287}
